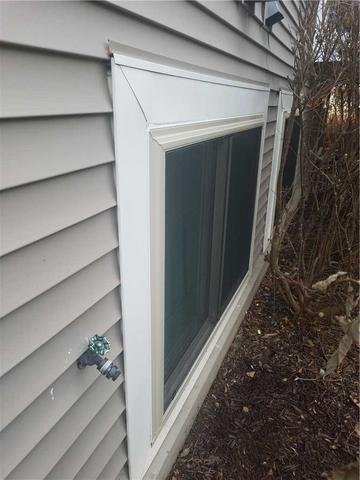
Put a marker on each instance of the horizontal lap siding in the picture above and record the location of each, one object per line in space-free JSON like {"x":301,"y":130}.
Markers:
{"x":236,"y":16}
{"x":88,"y":143}
{"x":45,"y":455}
{"x":279,"y":42}
{"x":53,"y":259}
{"x":59,"y":259}
{"x":290,"y":10}
{"x":59,"y":264}
{"x":265,"y":174}
{"x":38,"y":84}
{"x":212,"y":42}
{"x":111,"y":469}
{"x":63,"y":350}
{"x":123,"y":475}
{"x":44,"y":208}
{"x":185,"y":18}
{"x":59,"y":403}
{"x":110,"y":451}
{"x":42,"y":317}
{"x":84,"y":448}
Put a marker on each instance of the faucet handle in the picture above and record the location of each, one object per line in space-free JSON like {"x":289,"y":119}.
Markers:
{"x":99,"y":344}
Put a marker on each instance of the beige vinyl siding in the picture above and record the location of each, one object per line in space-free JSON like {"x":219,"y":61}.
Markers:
{"x":60,"y":403}
{"x":53,"y":259}
{"x":88,"y":286}
{"x":60,"y":439}
{"x":235,"y":15}
{"x":268,"y":145}
{"x":106,"y":459}
{"x":88,"y":144}
{"x":266,"y":167}
{"x":59,"y":244}
{"x":228,"y":40}
{"x":73,"y":409}
{"x":84,"y":450}
{"x":59,"y":264}
{"x":185,"y":18}
{"x":44,"y":208}
{"x":41,"y":83}
{"x":290,"y":10}
{"x":63,"y":349}
{"x":110,"y":470}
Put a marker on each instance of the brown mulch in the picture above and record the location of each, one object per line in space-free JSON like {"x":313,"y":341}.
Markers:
{"x":270,"y":413}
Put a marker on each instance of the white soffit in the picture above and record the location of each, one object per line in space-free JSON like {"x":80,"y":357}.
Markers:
{"x":168,"y":94}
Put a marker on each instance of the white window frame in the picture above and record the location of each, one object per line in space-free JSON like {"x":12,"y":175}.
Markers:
{"x":283,"y":112}
{"x":164,"y":139}
{"x":140,"y":148}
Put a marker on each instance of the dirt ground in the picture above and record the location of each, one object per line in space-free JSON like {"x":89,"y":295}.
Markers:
{"x":270,"y":413}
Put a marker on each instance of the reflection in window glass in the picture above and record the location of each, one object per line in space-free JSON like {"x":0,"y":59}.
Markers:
{"x":240,"y":209}
{"x":190,"y":181}
{"x":290,"y":162}
{"x":210,"y":196}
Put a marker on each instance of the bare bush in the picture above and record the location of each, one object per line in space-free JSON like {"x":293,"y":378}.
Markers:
{"x":320,"y":221}
{"x":326,"y":199}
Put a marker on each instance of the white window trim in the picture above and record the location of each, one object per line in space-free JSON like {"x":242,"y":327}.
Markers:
{"x":284,"y":108}
{"x":140,"y":151}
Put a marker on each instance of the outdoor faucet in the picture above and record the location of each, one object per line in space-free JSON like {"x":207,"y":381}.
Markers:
{"x":98,"y":346}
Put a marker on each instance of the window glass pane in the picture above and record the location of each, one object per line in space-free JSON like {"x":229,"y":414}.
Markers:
{"x":244,"y":149}
{"x":210,"y":193}
{"x":190,"y":182}
{"x":290,"y":162}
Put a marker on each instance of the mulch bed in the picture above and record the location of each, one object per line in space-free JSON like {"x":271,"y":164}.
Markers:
{"x":270,"y":414}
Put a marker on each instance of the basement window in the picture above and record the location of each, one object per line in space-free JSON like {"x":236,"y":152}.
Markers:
{"x":187,"y":186}
{"x":292,"y":154}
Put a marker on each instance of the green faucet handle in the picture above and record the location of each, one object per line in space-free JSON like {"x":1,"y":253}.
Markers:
{"x":99,"y":344}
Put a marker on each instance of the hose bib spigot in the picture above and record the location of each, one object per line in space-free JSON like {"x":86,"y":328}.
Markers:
{"x":98,"y":346}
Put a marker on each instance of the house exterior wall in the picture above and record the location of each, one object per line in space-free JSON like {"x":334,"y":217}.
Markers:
{"x":59,"y":244}
{"x":266,"y":167}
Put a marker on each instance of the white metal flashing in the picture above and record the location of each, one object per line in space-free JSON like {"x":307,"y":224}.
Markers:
{"x":177,"y":72}
{"x":143,"y":60}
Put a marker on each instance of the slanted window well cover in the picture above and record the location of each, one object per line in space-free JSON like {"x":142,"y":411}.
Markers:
{"x":176,"y":188}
